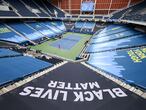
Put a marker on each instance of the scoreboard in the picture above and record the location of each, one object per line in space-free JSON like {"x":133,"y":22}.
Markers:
{"x":87,"y":6}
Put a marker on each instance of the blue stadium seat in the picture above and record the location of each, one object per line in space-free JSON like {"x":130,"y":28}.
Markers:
{"x":134,"y":13}
{"x":41,"y":4}
{"x":21,"y":8}
{"x":128,"y":33}
{"x":120,"y":64}
{"x":111,"y":30}
{"x":7,"y":53}
{"x":26,"y":31}
{"x":32,"y":5}
{"x":8,"y":35}
{"x":13,"y":68}
{"x":89,"y":25}
{"x":8,"y":14}
{"x":116,"y":37}
{"x":137,"y":40}
{"x":79,"y":24}
{"x":59,"y":25}
{"x":42,"y":29}
{"x":52,"y":27}
{"x":54,"y":9}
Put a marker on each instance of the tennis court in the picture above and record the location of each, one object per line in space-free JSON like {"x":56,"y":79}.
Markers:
{"x":69,"y":47}
{"x":67,"y":42}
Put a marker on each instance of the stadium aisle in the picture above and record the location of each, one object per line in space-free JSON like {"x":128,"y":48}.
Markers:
{"x":71,"y":87}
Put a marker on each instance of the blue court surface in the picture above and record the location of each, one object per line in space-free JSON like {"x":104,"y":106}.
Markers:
{"x":12,"y":68}
{"x":67,"y":42}
{"x":129,"y":65}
